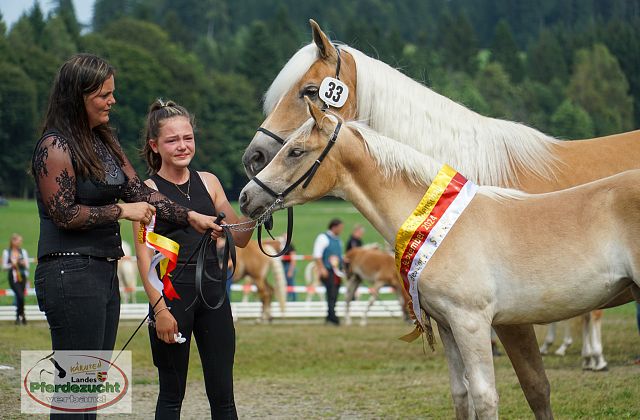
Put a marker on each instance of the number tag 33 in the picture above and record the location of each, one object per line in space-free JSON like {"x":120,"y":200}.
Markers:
{"x":333,"y":92}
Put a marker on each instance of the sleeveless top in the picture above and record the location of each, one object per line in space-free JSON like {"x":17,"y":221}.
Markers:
{"x":334,"y":248}
{"x":187,"y":237}
{"x":99,"y":241}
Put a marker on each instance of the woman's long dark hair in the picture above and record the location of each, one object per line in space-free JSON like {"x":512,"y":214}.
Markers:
{"x":81,"y":75}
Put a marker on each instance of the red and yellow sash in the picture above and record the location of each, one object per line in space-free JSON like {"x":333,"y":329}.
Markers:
{"x":167,"y":257}
{"x":425,"y":229}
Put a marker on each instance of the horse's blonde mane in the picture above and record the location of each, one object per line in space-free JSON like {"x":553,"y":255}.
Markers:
{"x":486,"y":150}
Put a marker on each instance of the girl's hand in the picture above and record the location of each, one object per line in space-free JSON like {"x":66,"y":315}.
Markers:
{"x":137,"y":212}
{"x":166,"y":326}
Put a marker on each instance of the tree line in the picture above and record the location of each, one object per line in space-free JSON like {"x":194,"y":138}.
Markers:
{"x":568,"y":68}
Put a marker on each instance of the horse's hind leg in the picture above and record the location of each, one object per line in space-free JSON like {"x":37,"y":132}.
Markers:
{"x":592,"y":357}
{"x":519,"y":341}
{"x":549,"y":338}
{"x":373,"y":296}
{"x":567,"y":341}
{"x":352,"y":284}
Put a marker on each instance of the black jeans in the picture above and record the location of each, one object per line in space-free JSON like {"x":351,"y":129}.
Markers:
{"x":215,"y":335}
{"x":333,"y":288}
{"x":81,"y":300}
{"x":18,"y":291}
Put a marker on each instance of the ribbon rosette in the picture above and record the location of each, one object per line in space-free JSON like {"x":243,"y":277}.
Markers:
{"x":167,"y":257}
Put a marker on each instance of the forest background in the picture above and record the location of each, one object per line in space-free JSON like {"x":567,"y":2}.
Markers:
{"x":570,"y":68}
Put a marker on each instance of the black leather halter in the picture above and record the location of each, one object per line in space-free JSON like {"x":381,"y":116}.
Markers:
{"x":305,"y":179}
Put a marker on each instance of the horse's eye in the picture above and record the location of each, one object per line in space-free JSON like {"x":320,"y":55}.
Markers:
{"x":296,"y":153}
{"x":310,"y":91}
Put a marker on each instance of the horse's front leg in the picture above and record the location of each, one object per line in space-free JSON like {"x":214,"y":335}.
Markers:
{"x":520,"y":343}
{"x":472,"y":334}
{"x":457,"y":381}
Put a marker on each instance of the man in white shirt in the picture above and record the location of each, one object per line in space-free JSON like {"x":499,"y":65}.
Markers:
{"x":327,"y":253}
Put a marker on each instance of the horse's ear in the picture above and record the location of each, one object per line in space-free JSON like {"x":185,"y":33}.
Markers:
{"x":327,"y":50}
{"x":315,"y":111}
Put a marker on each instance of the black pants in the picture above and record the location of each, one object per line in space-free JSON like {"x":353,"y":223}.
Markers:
{"x":18,"y":291}
{"x":81,"y":300}
{"x":333,"y":288}
{"x":215,"y":335}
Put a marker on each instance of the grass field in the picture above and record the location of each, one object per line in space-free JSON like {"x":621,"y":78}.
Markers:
{"x":302,"y":369}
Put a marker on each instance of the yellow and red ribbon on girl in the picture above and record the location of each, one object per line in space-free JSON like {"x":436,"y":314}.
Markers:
{"x":425,"y":229}
{"x":167,"y":257}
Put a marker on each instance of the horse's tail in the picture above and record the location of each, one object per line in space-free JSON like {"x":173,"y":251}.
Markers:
{"x":280,"y":281}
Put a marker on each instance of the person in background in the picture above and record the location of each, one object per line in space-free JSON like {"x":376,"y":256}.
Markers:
{"x":327,"y":253}
{"x":355,"y":240}
{"x":289,"y":265}
{"x":16,"y":261}
{"x":168,"y":150}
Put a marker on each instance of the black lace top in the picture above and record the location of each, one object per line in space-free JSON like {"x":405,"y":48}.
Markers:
{"x":80,"y":214}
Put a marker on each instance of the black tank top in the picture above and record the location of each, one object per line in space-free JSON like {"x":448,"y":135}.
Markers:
{"x":200,"y":201}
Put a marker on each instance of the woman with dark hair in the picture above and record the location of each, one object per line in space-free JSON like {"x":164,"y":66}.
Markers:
{"x":82,"y":175}
{"x":168,"y":149}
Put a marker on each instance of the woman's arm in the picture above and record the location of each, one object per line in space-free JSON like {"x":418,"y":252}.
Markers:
{"x":6,"y":263}
{"x":221,"y":204}
{"x":54,"y":173}
{"x":166,"y":325}
{"x":166,"y":209}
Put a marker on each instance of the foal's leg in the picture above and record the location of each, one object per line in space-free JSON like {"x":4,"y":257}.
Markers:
{"x":457,"y":382}
{"x":352,"y":284}
{"x":373,"y":296}
{"x":520,"y":343}
{"x":472,"y":333}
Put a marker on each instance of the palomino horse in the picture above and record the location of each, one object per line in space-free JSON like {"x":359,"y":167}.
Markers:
{"x":377,"y":267}
{"x":592,"y":357}
{"x":504,"y":262}
{"x":252,"y":263}
{"x":127,"y":274}
{"x":489,"y":151}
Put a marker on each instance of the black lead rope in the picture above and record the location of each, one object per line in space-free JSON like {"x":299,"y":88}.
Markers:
{"x":201,"y":251}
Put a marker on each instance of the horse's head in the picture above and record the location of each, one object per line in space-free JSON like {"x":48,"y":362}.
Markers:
{"x":284,"y":101}
{"x":304,"y":169}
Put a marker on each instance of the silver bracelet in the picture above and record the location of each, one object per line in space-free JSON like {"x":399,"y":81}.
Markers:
{"x":166,"y":307}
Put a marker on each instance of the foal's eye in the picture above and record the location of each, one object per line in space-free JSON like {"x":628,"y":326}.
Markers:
{"x":310,"y":91}
{"x":296,"y":152}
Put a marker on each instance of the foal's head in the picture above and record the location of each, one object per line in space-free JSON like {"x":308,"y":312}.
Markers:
{"x":293,"y":162}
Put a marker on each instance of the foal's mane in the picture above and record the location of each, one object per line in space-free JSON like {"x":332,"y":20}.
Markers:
{"x":486,"y":150}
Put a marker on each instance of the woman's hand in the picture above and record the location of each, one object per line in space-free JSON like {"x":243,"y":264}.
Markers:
{"x":166,"y":326}
{"x":201,"y":223}
{"x":137,"y":212}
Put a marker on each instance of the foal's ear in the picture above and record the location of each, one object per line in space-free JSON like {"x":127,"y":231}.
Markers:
{"x":315,"y":112}
{"x":327,"y":50}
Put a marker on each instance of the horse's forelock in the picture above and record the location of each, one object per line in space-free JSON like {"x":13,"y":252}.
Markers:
{"x":295,"y":68}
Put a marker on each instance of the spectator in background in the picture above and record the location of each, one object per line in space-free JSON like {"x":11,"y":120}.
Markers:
{"x":16,"y":261}
{"x":289,"y":264}
{"x":355,"y":240}
{"x":327,"y":253}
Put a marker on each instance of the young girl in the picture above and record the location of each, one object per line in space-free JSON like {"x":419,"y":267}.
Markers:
{"x":168,"y":150}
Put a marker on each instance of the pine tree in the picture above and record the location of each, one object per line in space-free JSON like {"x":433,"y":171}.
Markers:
{"x":505,"y":51}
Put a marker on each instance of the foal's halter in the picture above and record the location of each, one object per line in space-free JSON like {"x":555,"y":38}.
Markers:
{"x":309,"y":175}
{"x":305,"y":179}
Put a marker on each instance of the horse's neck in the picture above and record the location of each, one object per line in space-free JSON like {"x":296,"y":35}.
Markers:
{"x":486,"y":150}
{"x":385,"y":203}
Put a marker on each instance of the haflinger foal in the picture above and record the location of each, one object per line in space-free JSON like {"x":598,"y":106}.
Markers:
{"x":506,"y":254}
